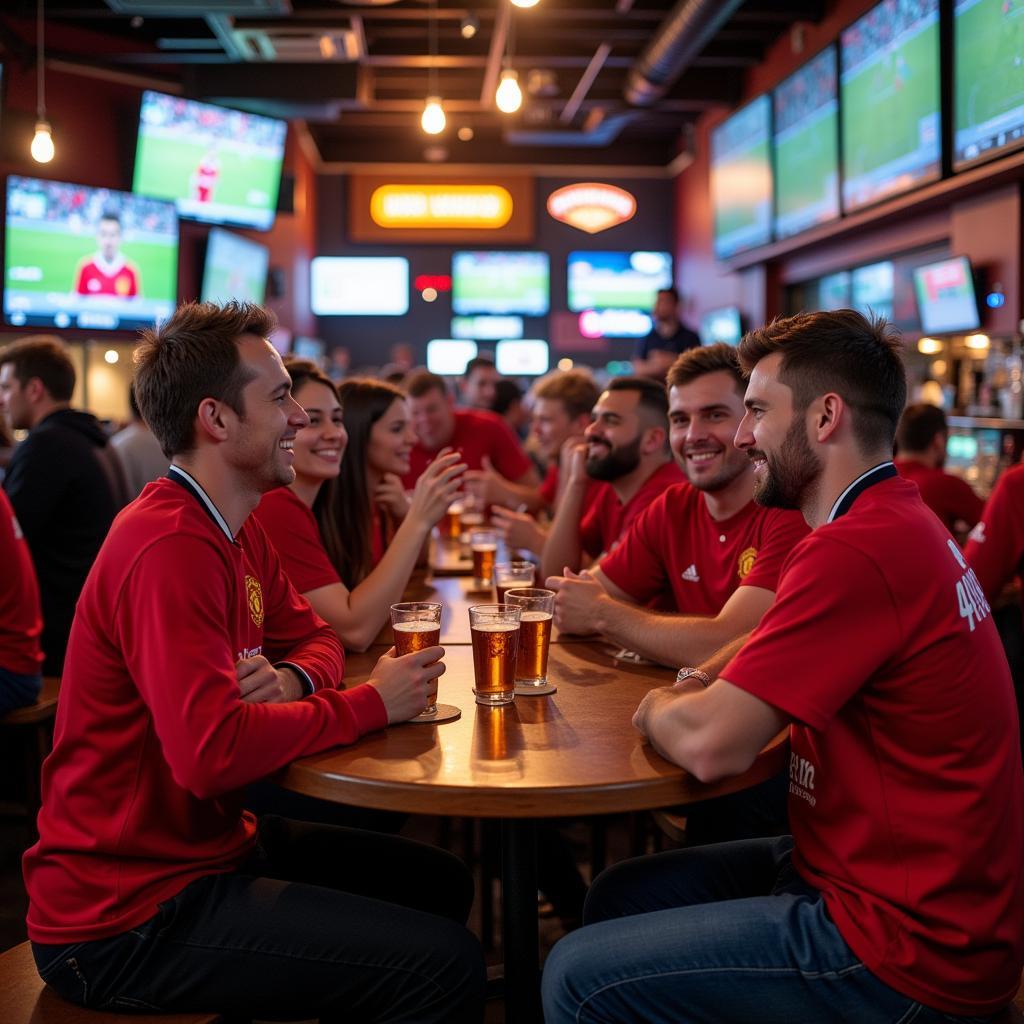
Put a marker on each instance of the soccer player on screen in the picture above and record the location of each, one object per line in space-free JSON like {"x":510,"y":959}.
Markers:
{"x":204,"y":180}
{"x":107,"y":272}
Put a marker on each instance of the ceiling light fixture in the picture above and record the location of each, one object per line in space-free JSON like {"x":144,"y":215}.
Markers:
{"x":432,"y":120}
{"x":42,"y":142}
{"x":508,"y":97}
{"x":525,"y":3}
{"x":469,"y":26}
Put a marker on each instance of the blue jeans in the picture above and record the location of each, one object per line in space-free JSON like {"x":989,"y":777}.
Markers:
{"x":324,"y":922}
{"x":17,"y":690}
{"x":723,"y":934}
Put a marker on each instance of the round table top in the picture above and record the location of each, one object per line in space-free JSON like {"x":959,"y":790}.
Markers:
{"x":572,"y":753}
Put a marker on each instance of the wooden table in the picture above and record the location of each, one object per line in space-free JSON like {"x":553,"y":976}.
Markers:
{"x":573,"y":753}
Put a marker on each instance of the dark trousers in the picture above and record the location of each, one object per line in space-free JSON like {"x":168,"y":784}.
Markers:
{"x":320,"y":921}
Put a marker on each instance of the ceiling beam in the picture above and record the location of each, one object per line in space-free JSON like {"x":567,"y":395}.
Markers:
{"x":586,"y":81}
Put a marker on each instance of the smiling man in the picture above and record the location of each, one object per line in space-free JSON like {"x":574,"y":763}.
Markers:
{"x":702,"y":548}
{"x":193,"y":669}
{"x":898,"y":895}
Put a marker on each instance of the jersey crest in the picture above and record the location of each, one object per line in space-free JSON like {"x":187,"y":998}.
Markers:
{"x":254,"y":597}
{"x":746,"y":562}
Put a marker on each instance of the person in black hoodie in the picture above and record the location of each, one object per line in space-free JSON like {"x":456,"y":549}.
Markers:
{"x":63,"y":481}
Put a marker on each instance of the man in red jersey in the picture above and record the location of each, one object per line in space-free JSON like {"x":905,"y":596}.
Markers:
{"x":107,"y":272}
{"x":204,"y":180}
{"x":193,"y":669}
{"x":898,"y":895}
{"x":702,"y":548}
{"x":921,"y":449}
{"x":483,"y":438}
{"x":621,"y":465}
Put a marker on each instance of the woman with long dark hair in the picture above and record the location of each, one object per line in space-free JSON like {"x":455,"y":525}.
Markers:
{"x":348,"y":536}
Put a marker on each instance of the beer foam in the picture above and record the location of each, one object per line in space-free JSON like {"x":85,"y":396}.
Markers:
{"x":535,"y":616}
{"x":416,"y":626}
{"x":496,"y":627}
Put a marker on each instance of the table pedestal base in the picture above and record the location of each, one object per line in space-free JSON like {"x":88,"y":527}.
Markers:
{"x":520,"y":941}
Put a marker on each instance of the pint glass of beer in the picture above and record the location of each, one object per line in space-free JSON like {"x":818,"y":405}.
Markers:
{"x":495,"y":632}
{"x":416,"y":625}
{"x":484,"y":546}
{"x":538,"y":612}
{"x":512,"y":574}
{"x":451,"y":522}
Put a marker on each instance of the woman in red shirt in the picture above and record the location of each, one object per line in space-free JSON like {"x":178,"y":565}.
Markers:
{"x":347,"y":534}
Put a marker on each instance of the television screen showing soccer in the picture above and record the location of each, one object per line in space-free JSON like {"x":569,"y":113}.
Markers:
{"x":235,"y":268}
{"x":359,"y":285}
{"x":88,"y":257}
{"x":806,"y":135}
{"x":946,"y":300}
{"x":219,"y":165}
{"x":741,"y":179}
{"x":889,"y":88}
{"x":500,"y":283}
{"x":617,"y":280}
{"x":988,"y":82}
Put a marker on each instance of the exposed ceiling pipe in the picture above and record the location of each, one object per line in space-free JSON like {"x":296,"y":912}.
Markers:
{"x":686,"y":30}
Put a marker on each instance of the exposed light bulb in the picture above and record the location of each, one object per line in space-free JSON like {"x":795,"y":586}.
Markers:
{"x":111,"y":356}
{"x":42,"y":143}
{"x":469,"y":26}
{"x":509,"y":97}
{"x":433,"y":120}
{"x":525,"y":3}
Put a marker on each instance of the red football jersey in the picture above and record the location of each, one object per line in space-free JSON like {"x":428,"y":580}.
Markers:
{"x":206,"y":177}
{"x":676,"y":549}
{"x":292,"y":529}
{"x":21,"y":621}
{"x":93,"y":279}
{"x":995,"y":547}
{"x":476,"y":434}
{"x":949,"y":497}
{"x":905,"y":788}
{"x":143,"y":791}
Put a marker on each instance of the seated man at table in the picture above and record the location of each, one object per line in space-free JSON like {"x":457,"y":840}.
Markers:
{"x":920,"y":455}
{"x":484,"y":439}
{"x":898,"y":895}
{"x":702,"y":548}
{"x":193,"y":669}
{"x":619,"y":467}
{"x":479,"y":384}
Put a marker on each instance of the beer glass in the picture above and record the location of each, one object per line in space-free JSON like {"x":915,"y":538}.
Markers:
{"x":416,"y":625}
{"x":511,"y":574}
{"x":451,"y":522}
{"x":538,"y":612}
{"x":484,"y":546}
{"x":494,"y":629}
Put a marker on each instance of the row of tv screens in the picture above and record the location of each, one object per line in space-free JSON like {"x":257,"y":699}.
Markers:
{"x":788,"y":161}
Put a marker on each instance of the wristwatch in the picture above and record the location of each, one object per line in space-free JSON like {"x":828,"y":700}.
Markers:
{"x":696,"y":673}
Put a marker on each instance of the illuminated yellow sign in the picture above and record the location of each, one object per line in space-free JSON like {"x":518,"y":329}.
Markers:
{"x":591,"y":207}
{"x":441,"y":206}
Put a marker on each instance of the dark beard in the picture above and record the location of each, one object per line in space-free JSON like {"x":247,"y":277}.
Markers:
{"x":788,"y":477}
{"x":616,"y":463}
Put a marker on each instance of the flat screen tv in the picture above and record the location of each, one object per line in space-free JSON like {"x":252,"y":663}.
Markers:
{"x":889,"y":91}
{"x":741,"y":179}
{"x":220,"y":166}
{"x":988,"y":79}
{"x":235,"y":268}
{"x":721,"y":325}
{"x":88,"y":257}
{"x":617,"y":280}
{"x":806,"y":146}
{"x":871,"y":289}
{"x":522,"y":357}
{"x":500,"y":282}
{"x":448,"y":356}
{"x":360,"y":285}
{"x":946,"y":300}
{"x":487,"y":328}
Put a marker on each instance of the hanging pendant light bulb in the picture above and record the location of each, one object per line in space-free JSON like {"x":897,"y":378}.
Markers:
{"x":42,"y":143}
{"x":42,"y":149}
{"x":433,"y":120}
{"x":508,"y":97}
{"x":525,"y":3}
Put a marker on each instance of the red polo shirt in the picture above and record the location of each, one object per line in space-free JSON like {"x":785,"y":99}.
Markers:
{"x":949,"y":497}
{"x":905,"y":773}
{"x":21,"y":621}
{"x":995,"y":547}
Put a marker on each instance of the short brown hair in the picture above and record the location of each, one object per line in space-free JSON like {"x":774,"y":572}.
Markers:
{"x":842,"y":351}
{"x":193,"y":356}
{"x":420,"y":382}
{"x":919,"y":425}
{"x":696,"y":362}
{"x":575,"y":389}
{"x":45,"y":357}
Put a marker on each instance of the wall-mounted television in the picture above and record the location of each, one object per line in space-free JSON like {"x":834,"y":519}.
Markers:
{"x":617,"y":280}
{"x":500,"y":282}
{"x":522,"y":357}
{"x":360,"y":285}
{"x":615,"y":323}
{"x":88,"y":257}
{"x":219,"y":165}
{"x":946,"y":300}
{"x":806,"y":146}
{"x":988,"y":79}
{"x":889,"y":90}
{"x":448,"y":356}
{"x":487,"y":328}
{"x":741,"y":179}
{"x":872,"y":288}
{"x":721,"y":325}
{"x":235,"y":268}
